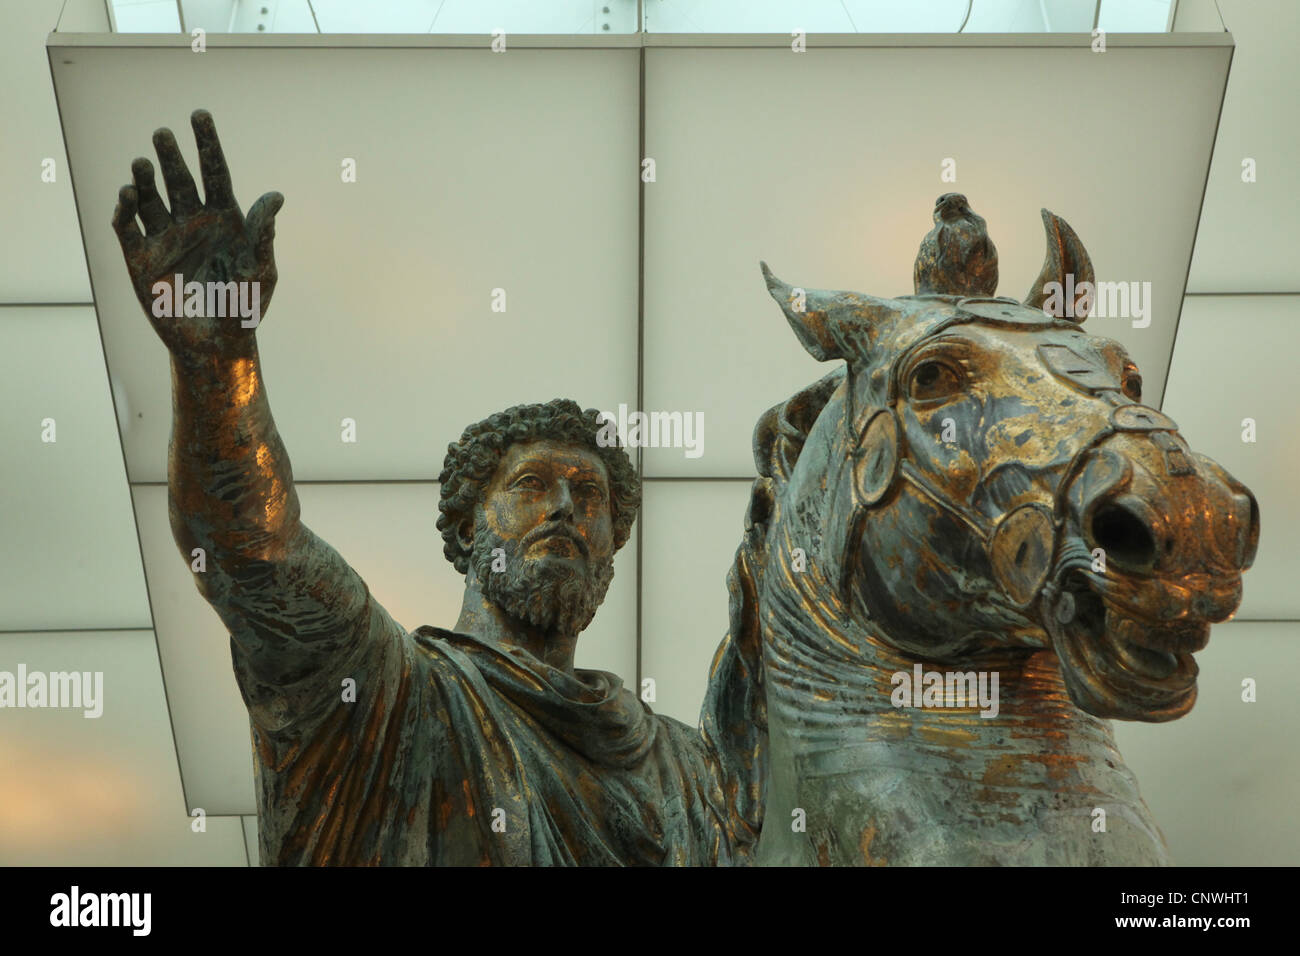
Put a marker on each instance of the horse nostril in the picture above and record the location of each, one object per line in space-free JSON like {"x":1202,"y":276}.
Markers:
{"x":1123,"y":536}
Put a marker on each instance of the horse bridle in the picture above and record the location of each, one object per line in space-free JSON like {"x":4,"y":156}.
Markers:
{"x":1022,"y":544}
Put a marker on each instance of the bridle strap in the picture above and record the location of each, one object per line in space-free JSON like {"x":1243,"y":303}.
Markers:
{"x":984,"y":529}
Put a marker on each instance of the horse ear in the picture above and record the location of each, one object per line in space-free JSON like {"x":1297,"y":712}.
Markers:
{"x":830,"y":325}
{"x":1066,"y":256}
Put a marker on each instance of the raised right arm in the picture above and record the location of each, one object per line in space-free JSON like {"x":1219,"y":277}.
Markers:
{"x":231,"y":493}
{"x":293,"y":606}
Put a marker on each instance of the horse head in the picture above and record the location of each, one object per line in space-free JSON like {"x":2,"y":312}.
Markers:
{"x":987,"y":476}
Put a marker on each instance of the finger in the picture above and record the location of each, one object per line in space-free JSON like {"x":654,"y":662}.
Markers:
{"x":217,"y":192}
{"x":182,"y":195}
{"x":152,"y":211}
{"x":261,"y":225}
{"x":124,"y":224}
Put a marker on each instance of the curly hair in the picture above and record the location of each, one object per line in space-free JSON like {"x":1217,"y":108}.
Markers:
{"x":472,"y":461}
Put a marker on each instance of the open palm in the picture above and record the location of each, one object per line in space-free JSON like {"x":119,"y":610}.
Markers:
{"x":203,"y":242}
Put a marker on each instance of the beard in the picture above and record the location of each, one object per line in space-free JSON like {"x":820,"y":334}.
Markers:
{"x":555,"y":597}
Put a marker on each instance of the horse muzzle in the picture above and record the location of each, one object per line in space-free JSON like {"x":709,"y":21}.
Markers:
{"x":1155,"y":540}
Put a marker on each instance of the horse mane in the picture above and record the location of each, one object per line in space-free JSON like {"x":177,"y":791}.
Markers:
{"x":779,"y":438}
{"x":733,"y":720}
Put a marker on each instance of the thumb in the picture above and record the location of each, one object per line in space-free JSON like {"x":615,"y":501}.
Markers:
{"x":261,"y":224}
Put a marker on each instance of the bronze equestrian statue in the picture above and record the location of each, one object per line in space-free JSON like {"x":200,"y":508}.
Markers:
{"x":976,"y":499}
{"x":978,"y":490}
{"x":478,"y":745}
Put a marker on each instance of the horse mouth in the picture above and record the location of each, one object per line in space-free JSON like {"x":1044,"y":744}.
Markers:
{"x":1118,"y":662}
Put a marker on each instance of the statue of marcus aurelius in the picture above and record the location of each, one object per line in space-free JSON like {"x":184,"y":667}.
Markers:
{"x":478,"y":745}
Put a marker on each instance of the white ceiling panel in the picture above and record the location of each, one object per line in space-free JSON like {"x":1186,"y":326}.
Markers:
{"x":1196,"y":16}
{"x":728,"y":16}
{"x":827,"y":165}
{"x":475,"y":16}
{"x":383,"y":312}
{"x":1235,"y":360}
{"x":43,"y":260}
{"x":689,"y":543}
{"x":387,"y":532}
{"x":1005,"y":16}
{"x":1132,"y":16}
{"x":99,"y":791}
{"x":890,"y":16}
{"x":1247,"y":241}
{"x":154,"y":16}
{"x":385,"y":16}
{"x":214,"y":16}
{"x":1222,"y":781}
{"x":1071,"y":16}
{"x":72,"y":560}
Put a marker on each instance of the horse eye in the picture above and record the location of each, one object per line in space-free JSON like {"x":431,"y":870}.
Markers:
{"x":1133,"y":385}
{"x":934,"y":380}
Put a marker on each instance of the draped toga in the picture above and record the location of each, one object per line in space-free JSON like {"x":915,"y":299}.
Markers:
{"x":452,"y":750}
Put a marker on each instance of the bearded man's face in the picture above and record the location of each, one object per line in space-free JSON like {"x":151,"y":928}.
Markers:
{"x":548,"y":509}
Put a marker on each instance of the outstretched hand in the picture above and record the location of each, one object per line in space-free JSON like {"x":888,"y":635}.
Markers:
{"x":205,"y":242}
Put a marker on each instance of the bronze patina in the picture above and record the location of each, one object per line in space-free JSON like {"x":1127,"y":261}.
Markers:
{"x":478,"y":745}
{"x":977,"y":492}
